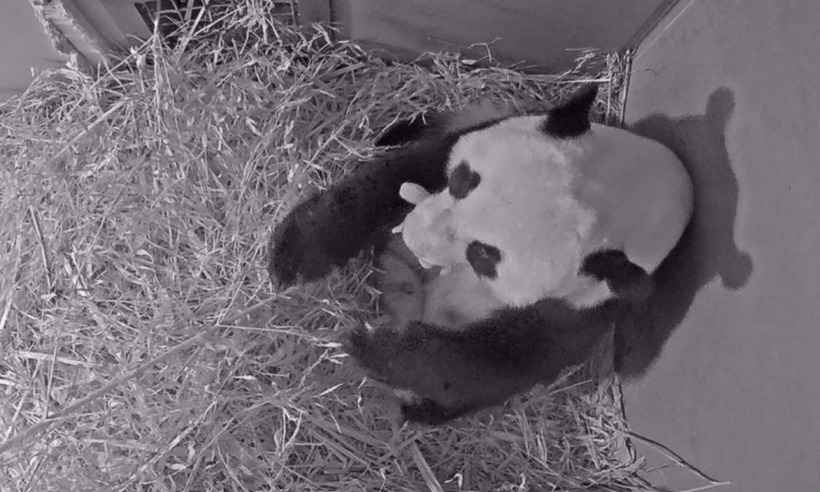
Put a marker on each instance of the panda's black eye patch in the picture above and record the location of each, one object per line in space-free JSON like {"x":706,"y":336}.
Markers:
{"x":483,"y":258}
{"x":462,"y":181}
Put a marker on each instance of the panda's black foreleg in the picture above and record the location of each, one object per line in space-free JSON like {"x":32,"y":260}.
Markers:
{"x":626,"y":279}
{"x":452,"y":373}
{"x":330,"y":228}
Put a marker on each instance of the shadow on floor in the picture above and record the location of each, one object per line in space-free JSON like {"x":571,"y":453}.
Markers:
{"x":707,"y":248}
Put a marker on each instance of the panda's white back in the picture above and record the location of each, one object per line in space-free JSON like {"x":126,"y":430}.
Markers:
{"x":547,"y":202}
{"x":609,"y":187}
{"x":523,"y":206}
{"x":640,"y":190}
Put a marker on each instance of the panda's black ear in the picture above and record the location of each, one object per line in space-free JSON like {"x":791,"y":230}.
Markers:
{"x":571,"y":118}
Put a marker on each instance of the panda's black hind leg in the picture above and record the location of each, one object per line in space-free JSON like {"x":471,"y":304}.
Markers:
{"x":626,"y":279}
{"x":450,"y":373}
{"x":456,"y":372}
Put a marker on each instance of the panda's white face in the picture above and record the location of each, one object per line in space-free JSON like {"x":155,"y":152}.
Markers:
{"x":508,"y":211}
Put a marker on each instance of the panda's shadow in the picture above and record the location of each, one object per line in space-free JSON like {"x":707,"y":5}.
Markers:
{"x":707,"y":249}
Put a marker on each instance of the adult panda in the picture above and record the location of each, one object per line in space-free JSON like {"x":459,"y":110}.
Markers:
{"x":548,"y":228}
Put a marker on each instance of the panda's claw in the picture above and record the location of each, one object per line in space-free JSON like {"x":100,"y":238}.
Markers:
{"x":361,"y":344}
{"x":357,"y":341}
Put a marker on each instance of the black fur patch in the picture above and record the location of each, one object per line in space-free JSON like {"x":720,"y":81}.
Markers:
{"x":405,"y":131}
{"x":453,"y":373}
{"x":434,"y":125}
{"x":430,"y":412}
{"x":331,"y":227}
{"x":626,"y":279}
{"x":483,"y":258}
{"x":462,"y":181}
{"x":571,"y":119}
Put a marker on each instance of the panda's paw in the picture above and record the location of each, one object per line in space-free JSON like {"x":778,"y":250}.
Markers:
{"x":426,"y":411}
{"x":284,"y":255}
{"x":296,"y":251}
{"x":363,"y":345}
{"x":358,"y":341}
{"x":626,"y":279}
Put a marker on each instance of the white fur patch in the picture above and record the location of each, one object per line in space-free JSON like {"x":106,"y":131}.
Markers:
{"x":641,"y":191}
{"x":524,"y":206}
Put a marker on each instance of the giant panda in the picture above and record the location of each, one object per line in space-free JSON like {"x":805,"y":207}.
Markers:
{"x":543,"y":228}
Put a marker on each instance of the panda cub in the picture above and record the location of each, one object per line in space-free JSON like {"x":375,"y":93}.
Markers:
{"x":444,"y":292}
{"x":538,"y":231}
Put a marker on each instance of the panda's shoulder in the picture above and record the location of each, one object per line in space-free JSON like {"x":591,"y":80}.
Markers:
{"x":447,"y":124}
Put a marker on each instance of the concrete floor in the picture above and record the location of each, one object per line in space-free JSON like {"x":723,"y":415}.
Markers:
{"x":733,"y":379}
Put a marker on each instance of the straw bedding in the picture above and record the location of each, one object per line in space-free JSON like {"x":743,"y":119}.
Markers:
{"x":143,"y":347}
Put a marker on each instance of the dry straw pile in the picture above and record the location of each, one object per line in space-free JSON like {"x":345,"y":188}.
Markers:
{"x":143,"y":347}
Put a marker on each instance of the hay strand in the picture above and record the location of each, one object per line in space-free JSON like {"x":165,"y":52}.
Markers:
{"x":143,"y":347}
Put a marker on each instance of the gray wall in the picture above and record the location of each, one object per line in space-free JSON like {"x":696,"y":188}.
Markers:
{"x":545,"y":34}
{"x":24,"y":45}
{"x":542,"y":32}
{"x":732,"y":86}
